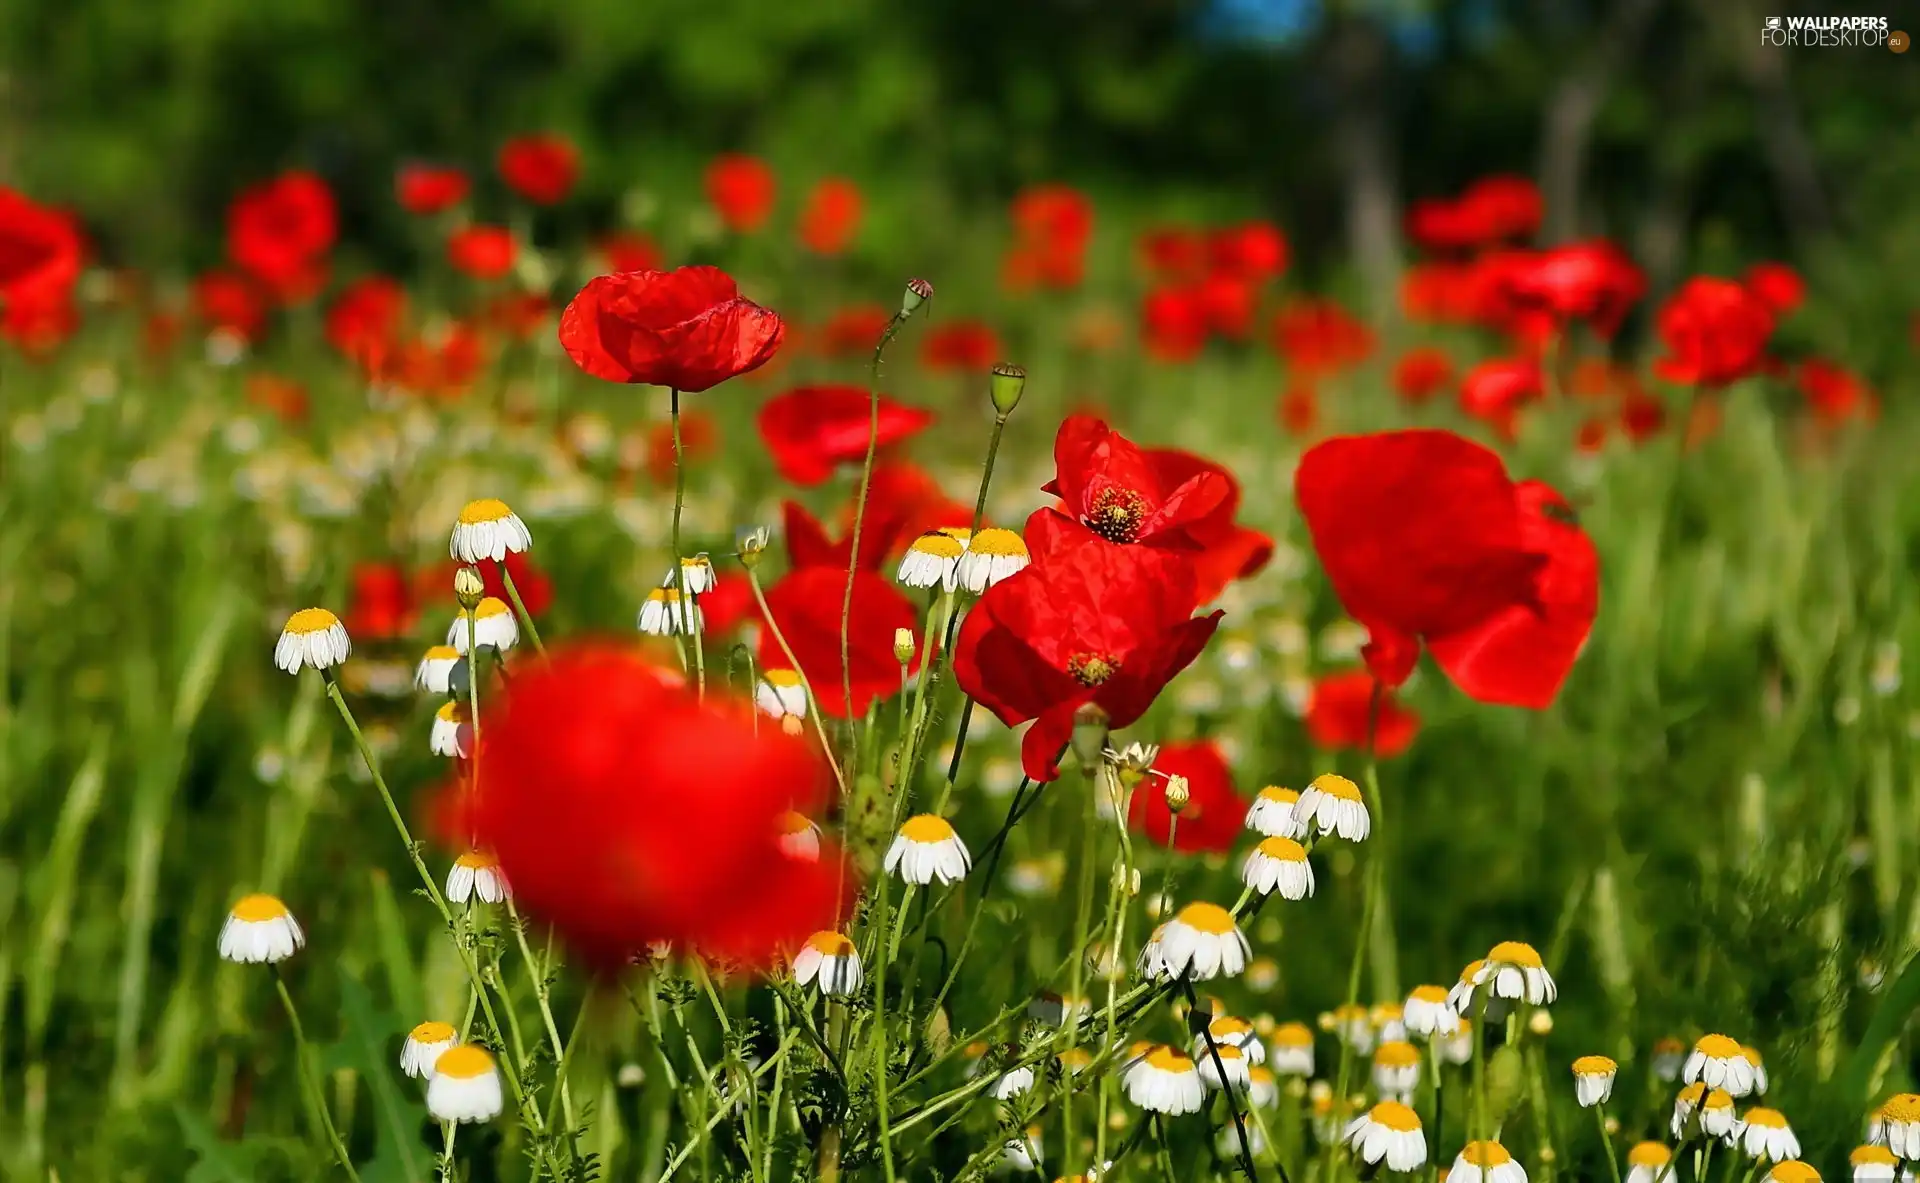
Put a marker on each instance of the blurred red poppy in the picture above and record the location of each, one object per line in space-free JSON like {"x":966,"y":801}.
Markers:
{"x":728,"y":605}
{"x":1173,"y":324}
{"x":519,"y":315}
{"x":1594,"y":282}
{"x":1215,"y":812}
{"x":741,"y":189}
{"x":41,"y":248}
{"x":1438,"y":292}
{"x":831,"y":218}
{"x":625,"y":811}
{"x":1176,"y":254}
{"x":628,"y":250}
{"x":1642,"y":416}
{"x":1090,"y":623}
{"x":1229,"y":302}
{"x":226,"y":300}
{"x":1318,"y":337}
{"x":541,"y":168}
{"x":1052,"y":224}
{"x":430,"y":189}
{"x":365,"y":320}
{"x":1338,"y":712}
{"x":483,"y":252}
{"x":1502,"y":209}
{"x":284,"y":397}
{"x":1299,"y":410}
{"x":1425,"y":538}
{"x":433,"y":583}
{"x":911,"y":493}
{"x":441,"y":365}
{"x":1495,"y":390}
{"x":1777,"y":285}
{"x":1715,"y":332}
{"x":1229,"y":551}
{"x":1421,"y":373}
{"x":1835,"y":393}
{"x":1591,"y":436}
{"x":811,"y":430}
{"x":689,"y":328}
{"x":279,"y":232}
{"x":806,"y":604}
{"x":1440,"y":225}
{"x":1252,"y":250}
{"x":809,"y":546}
{"x":699,"y":440}
{"x":1110,"y":488}
{"x":380,"y":605}
{"x":960,"y":345}
{"x":853,"y":331}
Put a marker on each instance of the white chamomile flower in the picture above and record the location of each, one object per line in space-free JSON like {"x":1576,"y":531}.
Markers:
{"x":1871,"y":1164}
{"x":1458,"y":1047}
{"x":1279,"y":864}
{"x":435,"y":669}
{"x":698,"y":573}
{"x":1669,"y":1056}
{"x":259,"y":930}
{"x":830,"y":959}
{"x":424,"y":1045}
{"x":1428,"y":1013}
{"x":1332,"y":805}
{"x":1717,"y":1116}
{"x":1164,"y":1080}
{"x":1290,"y":1049}
{"x":1515,"y":972}
{"x":465,"y":1086}
{"x":1765,"y":1134}
{"x":934,"y":558}
{"x":799,"y":837}
{"x":1721,"y":1063}
{"x":1233,"y":1069}
{"x":493,"y":625}
{"x":1354,"y":1026}
{"x":781,"y":695}
{"x":1648,"y":1161}
{"x":487,"y":529}
{"x":1896,"y":1125}
{"x":1012,"y":1083}
{"x":1228,"y":1031}
{"x":1396,"y":1070}
{"x":1686,"y":1103}
{"x":1389,"y":1132}
{"x":1752,"y":1055}
{"x":1389,"y":1021}
{"x":665,"y":614}
{"x":1263,"y":1087}
{"x":1593,"y":1080}
{"x":1272,"y":813}
{"x":1486,"y":1162}
{"x":313,"y":637}
{"x":477,"y":874}
{"x":927,"y":849}
{"x":446,"y":739}
{"x":1792,"y":1171}
{"x":992,"y":555}
{"x":1201,"y":942}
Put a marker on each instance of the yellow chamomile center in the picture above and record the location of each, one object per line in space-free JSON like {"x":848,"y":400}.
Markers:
{"x":782,"y":678}
{"x":1793,"y":1171}
{"x":443,"y":653}
{"x":464,"y":1062}
{"x":451,"y":712}
{"x":491,"y":606}
{"x":1668,"y":1047}
{"x":1717,"y":1047}
{"x":1228,"y":1027}
{"x":1751,"y":1055}
{"x":1117,"y":515}
{"x":1868,"y":1156}
{"x":255,"y":908}
{"x":473,"y":860}
{"x":1278,"y":795}
{"x":1473,"y":970}
{"x":1285,"y":849}
{"x":665,"y":595}
{"x":311,"y":620}
{"x":1292,"y":1035}
{"x":1515,"y":953}
{"x":1395,"y":1116}
{"x":1168,"y":1060}
{"x":431,"y":1031}
{"x":1433,"y":994}
{"x":1692,"y":1093}
{"x":792,"y":822}
{"x":1649,"y":1154}
{"x":1396,"y":1054}
{"x":1594,"y":1066}
{"x":1092,"y":669}
{"x":830,"y":944}
{"x":998,"y":543}
{"x":1207,"y":918}
{"x":487,"y":509}
{"x":1719,"y":1099}
{"x":1903,"y":1107}
{"x":1485,"y":1154}
{"x":1335,"y":785}
{"x":940,"y":545}
{"x":1771,"y":1118}
{"x":926,"y":829}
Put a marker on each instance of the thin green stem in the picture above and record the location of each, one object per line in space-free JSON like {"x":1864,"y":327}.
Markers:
{"x":860,"y":510}
{"x":526,"y":617}
{"x":537,"y":976}
{"x":813,"y":704}
{"x":316,"y":1099}
{"x":1606,"y":1140}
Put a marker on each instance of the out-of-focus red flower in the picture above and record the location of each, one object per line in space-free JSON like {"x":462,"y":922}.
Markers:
{"x":1425,"y":538}
{"x":1421,"y":373}
{"x":808,"y":545}
{"x":284,"y":397}
{"x":364,"y":321}
{"x":280,"y":231}
{"x":1594,"y":282}
{"x":689,"y":328}
{"x":441,"y":365}
{"x":1502,"y":208}
{"x":628,"y":250}
{"x":41,"y":249}
{"x":1173,"y":324}
{"x":699,"y":440}
{"x":1599,"y":378}
{"x":1495,"y":390}
{"x":483,"y":252}
{"x":810,"y":430}
{"x":1319,"y":337}
{"x":519,"y":315}
{"x":1715,"y":332}
{"x":728,"y":605}
{"x":380,"y":606}
{"x":831,"y":218}
{"x":1300,"y":410}
{"x":623,"y":810}
{"x":225,"y":300}
{"x":1215,"y":811}
{"x":1229,"y":551}
{"x":1052,"y":224}
{"x":1642,"y":416}
{"x":741,"y":189}
{"x":1778,"y":286}
{"x":1174,"y":254}
{"x":904,"y":489}
{"x":960,"y":345}
{"x":1591,"y":437}
{"x":1088,"y":623}
{"x":39,"y":320}
{"x":853,"y":331}
{"x":1254,"y":251}
{"x":1439,"y":225}
{"x":541,"y":168}
{"x":1835,"y":393}
{"x":1439,"y":292}
{"x":430,"y":189}
{"x":806,"y":604}
{"x":1337,"y":716}
{"x":430,"y":583}
{"x":1112,"y":489}
{"x":1228,"y":301}
{"x":159,"y":333}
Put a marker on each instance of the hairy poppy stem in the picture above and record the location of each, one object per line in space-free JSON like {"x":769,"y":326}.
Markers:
{"x":309,"y":1085}
{"x":685,"y":605}
{"x":813,"y":704}
{"x":860,"y":508}
{"x":519,"y":605}
{"x":1226,"y":1086}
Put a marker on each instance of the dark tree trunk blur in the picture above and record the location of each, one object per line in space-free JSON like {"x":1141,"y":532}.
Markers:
{"x":1360,"y":63}
{"x":1567,"y":127}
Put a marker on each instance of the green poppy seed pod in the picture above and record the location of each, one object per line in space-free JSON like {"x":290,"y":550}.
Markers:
{"x":1178,"y":793}
{"x":1089,"y":742}
{"x":468,"y":587}
{"x":919,"y":291}
{"x":1006,"y":386}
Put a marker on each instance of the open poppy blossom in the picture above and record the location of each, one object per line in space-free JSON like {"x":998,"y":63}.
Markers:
{"x":852,"y":331}
{"x":1833,"y":392}
{"x":1594,"y":282}
{"x":1093,"y":623}
{"x":1715,"y":332}
{"x":1337,"y":716}
{"x":623,"y":810}
{"x":541,"y":168}
{"x":1777,"y":285}
{"x":1214,"y":811}
{"x":1112,"y":488}
{"x":831,"y":217}
{"x":813,"y":429}
{"x":364,"y":321}
{"x":429,"y":189}
{"x":1496,"y":389}
{"x":1052,"y":224}
{"x":1251,"y":250}
{"x":689,"y":328}
{"x":1318,"y":337}
{"x":483,"y":252}
{"x":1173,"y":323}
{"x":807,"y":603}
{"x":40,"y":247}
{"x":1228,"y":550}
{"x":230,"y":301}
{"x":279,"y":232}
{"x":1425,"y":538}
{"x":809,"y":546}
{"x":741,"y":189}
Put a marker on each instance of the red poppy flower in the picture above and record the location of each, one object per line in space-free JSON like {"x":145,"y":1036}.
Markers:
{"x":282,"y":396}
{"x":1052,"y":224}
{"x":628,"y":250}
{"x":727,"y":605}
{"x":429,"y":189}
{"x":1777,"y":285}
{"x":279,"y":232}
{"x":853,"y":331}
{"x":536,"y":588}
{"x":1715,"y":331}
{"x":1591,"y":436}
{"x":1594,"y":282}
{"x":541,"y":168}
{"x":1425,"y":538}
{"x":225,"y":300}
{"x":1319,"y":337}
{"x":1229,"y":551}
{"x":1176,"y":254}
{"x":519,"y":315}
{"x":699,"y":440}
{"x":380,"y":606}
{"x":1438,"y":293}
{"x":443,"y":365}
{"x":1421,"y":373}
{"x":1215,"y":812}
{"x":689,"y":328}
{"x":1111,"y":488}
{"x":811,"y":430}
{"x":1229,"y":302}
{"x":1300,"y":410}
{"x":831,"y":216}
{"x":806,"y":604}
{"x":1090,"y":623}
{"x":1495,"y":390}
{"x":483,"y":252}
{"x":808,"y":545}
{"x":40,"y":324}
{"x":40,"y":248}
{"x":741,"y":189}
{"x":1835,"y":393}
{"x":1440,"y":225}
{"x":1173,"y":324}
{"x":623,"y":810}
{"x":1642,"y":416}
{"x":1338,"y":711}
{"x":1502,"y":209}
{"x":905,"y":489}
{"x":1251,"y":250}
{"x":364,"y":321}
{"x":959,"y":345}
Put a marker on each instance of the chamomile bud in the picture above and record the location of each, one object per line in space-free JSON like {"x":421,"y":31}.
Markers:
{"x":903,"y":645}
{"x":469,"y":587}
{"x":1178,"y":792}
{"x":750,"y":542}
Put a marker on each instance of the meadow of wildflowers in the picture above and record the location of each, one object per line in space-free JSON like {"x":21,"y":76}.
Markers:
{"x":663,"y":705}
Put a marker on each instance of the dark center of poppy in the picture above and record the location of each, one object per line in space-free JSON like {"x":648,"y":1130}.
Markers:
{"x":1092,"y":669}
{"x":1117,"y":515}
